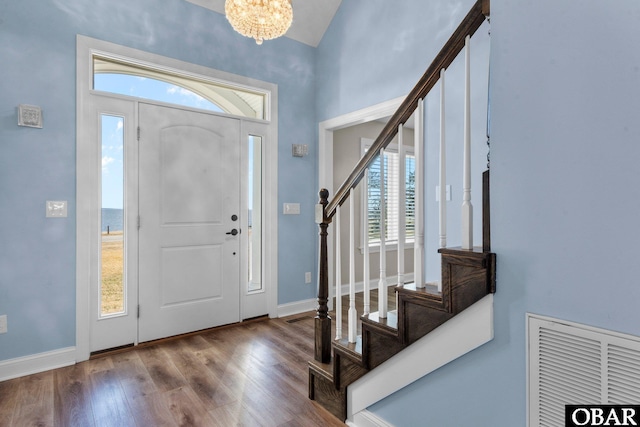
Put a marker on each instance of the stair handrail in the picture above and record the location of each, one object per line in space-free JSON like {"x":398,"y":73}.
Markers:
{"x":469,"y":25}
{"x":326,"y":210}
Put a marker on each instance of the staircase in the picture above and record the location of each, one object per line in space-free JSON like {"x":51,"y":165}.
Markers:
{"x":467,"y":272}
{"x":468,"y":276}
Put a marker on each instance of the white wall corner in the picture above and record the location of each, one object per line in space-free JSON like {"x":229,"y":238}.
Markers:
{"x":460,"y":335}
{"x":21,"y":366}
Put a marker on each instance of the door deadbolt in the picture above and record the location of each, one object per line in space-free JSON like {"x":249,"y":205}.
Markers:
{"x":234,"y":217}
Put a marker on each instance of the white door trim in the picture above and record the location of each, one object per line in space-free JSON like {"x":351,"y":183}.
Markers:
{"x":88,"y":169}
{"x":325,"y":155}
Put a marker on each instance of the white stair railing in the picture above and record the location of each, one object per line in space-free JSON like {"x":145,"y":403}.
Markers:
{"x":418,"y":224}
{"x":443,"y":167}
{"x":402,"y":206}
{"x":353,"y":313}
{"x":329,"y":211}
{"x":382,"y":284}
{"x":338,"y":305}
{"x":467,"y":208}
{"x":365,"y":249}
{"x":400,"y":221}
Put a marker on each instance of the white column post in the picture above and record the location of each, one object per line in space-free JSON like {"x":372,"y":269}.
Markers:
{"x":382,"y":284}
{"x":353,"y":313}
{"x":443,"y":166}
{"x":418,"y":245}
{"x":338,"y":305}
{"x":467,"y":208}
{"x":365,"y":242}
{"x":402,"y":196}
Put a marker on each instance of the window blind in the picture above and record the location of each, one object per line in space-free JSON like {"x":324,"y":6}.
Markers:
{"x":391,"y":187}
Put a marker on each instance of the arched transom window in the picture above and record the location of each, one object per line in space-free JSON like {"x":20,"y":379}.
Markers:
{"x":111,"y":75}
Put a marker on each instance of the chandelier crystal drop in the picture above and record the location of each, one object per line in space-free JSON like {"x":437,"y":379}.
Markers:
{"x":260,"y":19}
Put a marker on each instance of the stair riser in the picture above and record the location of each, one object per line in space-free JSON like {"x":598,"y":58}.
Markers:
{"x":324,"y":392}
{"x":377,"y":347}
{"x":421,"y":324}
{"x":346,"y":371}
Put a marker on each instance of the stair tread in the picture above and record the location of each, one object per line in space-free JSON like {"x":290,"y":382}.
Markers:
{"x":389,"y":322}
{"x":323,"y":369}
{"x":353,"y":350}
{"x":428,"y":292}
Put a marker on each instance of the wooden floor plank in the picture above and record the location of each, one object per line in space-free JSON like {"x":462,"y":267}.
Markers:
{"x":8,"y":400}
{"x":234,"y":414}
{"x":186,"y":408}
{"x":72,"y":397}
{"x":37,"y":414}
{"x":162,"y":371}
{"x":108,"y":401}
{"x":207,"y":386}
{"x":133,"y":375}
{"x":151,"y":410}
{"x":35,"y":401}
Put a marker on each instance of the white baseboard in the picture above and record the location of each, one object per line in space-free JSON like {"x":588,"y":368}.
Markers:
{"x":367,"y":419}
{"x":297,"y":307}
{"x":456,"y":337}
{"x":21,"y":366}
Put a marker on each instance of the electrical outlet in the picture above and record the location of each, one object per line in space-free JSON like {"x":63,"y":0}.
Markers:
{"x":3,"y":324}
{"x":307,"y":277}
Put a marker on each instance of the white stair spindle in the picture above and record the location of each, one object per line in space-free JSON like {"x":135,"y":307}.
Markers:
{"x":338,"y":304}
{"x":382,"y":284}
{"x":365,"y":248}
{"x":353,"y":313}
{"x":443,"y":167}
{"x":467,"y":208}
{"x":402,"y":195}
{"x":418,"y":245}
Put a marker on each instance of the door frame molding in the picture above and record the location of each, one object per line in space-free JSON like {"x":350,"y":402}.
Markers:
{"x":88,"y":170}
{"x":325,"y":156}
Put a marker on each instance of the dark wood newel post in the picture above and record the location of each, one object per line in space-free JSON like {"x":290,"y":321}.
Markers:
{"x":322,"y":320}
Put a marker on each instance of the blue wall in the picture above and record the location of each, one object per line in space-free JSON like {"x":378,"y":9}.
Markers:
{"x":565,"y":147}
{"x":38,"y":63}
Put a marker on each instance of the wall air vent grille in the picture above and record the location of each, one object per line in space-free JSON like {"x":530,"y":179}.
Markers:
{"x":573,"y":364}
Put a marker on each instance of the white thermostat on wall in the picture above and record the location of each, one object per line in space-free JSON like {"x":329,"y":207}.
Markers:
{"x":56,"y":208}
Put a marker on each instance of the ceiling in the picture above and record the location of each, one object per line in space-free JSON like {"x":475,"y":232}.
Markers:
{"x":311,"y":18}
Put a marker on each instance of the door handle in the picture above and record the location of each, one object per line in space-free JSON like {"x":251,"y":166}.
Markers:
{"x":233,"y":232}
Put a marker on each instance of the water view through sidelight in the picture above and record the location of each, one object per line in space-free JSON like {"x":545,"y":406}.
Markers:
{"x":112,"y":220}
{"x":112,"y":283}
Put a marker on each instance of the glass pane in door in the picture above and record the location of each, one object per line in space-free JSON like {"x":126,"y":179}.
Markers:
{"x":112,"y":283}
{"x":255,"y":213}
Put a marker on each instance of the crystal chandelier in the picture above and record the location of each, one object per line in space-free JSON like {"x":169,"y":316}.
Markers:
{"x":260,"y":19}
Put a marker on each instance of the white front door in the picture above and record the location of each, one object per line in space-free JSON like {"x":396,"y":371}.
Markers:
{"x":189,"y":205}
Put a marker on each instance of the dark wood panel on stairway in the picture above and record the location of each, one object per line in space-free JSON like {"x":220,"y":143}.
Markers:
{"x":247,"y":374}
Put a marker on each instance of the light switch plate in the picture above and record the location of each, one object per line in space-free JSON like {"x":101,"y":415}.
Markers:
{"x":291,"y":209}
{"x":3,"y":324}
{"x":56,"y":208}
